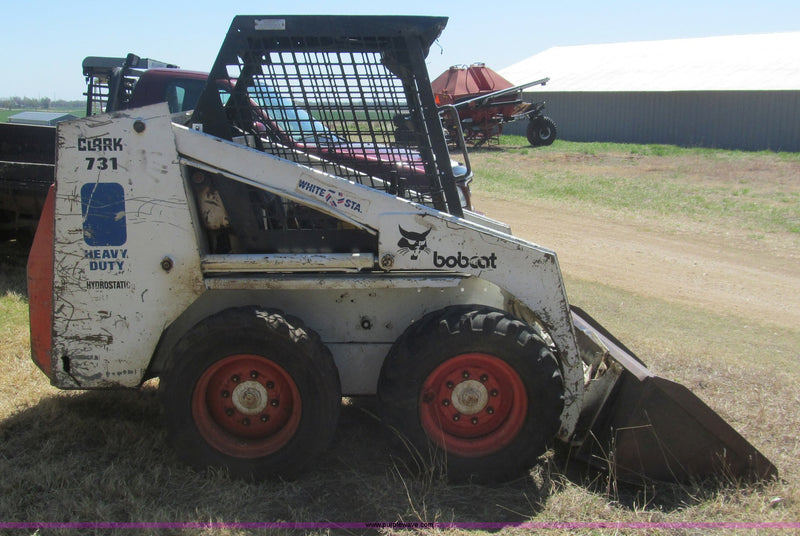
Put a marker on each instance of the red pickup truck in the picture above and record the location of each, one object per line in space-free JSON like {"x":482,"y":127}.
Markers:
{"x":27,"y":152}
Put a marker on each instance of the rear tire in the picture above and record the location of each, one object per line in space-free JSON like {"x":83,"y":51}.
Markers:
{"x":253,"y":391}
{"x":541,"y":131}
{"x":474,"y":384}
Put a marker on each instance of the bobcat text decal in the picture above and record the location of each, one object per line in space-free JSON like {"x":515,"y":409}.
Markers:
{"x":462,"y":261}
{"x":416,"y":243}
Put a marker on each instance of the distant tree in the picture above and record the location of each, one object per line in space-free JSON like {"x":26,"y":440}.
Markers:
{"x":60,"y":103}
{"x":44,"y":103}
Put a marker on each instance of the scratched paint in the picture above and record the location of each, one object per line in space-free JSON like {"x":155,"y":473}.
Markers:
{"x":118,"y":214}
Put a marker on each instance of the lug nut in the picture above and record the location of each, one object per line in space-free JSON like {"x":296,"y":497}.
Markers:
{"x":465,"y":374}
{"x":229,"y":412}
{"x":474,"y":420}
{"x":445,"y":402}
{"x":264,"y":418}
{"x":225,"y":394}
{"x":246,"y":421}
{"x":494,"y":392}
{"x":235,"y":378}
{"x":490,"y":410}
{"x":456,"y":417}
{"x":254,"y":374}
{"x":273,"y":403}
{"x":484,"y":378}
{"x":450,"y":385}
{"x":270,"y":385}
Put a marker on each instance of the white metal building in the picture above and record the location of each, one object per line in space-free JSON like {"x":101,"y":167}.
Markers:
{"x":739,"y":92}
{"x":40,"y":118}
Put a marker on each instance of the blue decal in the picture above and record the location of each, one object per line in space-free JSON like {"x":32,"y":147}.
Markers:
{"x":103,"y":209}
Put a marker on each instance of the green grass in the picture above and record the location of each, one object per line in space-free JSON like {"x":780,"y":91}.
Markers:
{"x":5,"y":113}
{"x":650,"y":180}
{"x":14,"y":313}
{"x":520,"y":143}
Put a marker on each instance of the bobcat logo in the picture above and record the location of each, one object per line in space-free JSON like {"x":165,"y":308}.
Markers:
{"x":413,"y":243}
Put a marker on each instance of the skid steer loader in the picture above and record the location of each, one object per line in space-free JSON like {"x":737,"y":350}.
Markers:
{"x":304,"y":234}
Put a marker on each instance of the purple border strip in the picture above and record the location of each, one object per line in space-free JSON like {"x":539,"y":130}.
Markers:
{"x":401,"y":525}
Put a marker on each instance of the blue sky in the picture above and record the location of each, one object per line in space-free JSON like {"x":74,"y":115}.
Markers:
{"x":44,"y":42}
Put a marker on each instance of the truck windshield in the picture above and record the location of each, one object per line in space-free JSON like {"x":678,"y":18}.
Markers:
{"x":292,"y":121}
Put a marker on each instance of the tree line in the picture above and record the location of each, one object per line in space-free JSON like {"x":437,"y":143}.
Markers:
{"x":43,"y":103}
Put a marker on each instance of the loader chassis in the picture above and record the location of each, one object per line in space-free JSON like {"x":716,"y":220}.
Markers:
{"x":288,"y":244}
{"x":131,"y":259}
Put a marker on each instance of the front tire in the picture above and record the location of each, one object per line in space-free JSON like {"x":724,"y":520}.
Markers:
{"x":477,"y":385}
{"x":251,"y":390}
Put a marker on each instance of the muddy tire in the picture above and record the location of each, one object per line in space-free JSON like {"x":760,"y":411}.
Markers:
{"x":253,"y":391}
{"x":541,"y":131}
{"x":476,"y":386}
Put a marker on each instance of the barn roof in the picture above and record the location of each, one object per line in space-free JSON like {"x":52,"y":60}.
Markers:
{"x":738,"y":62}
{"x":40,"y":118}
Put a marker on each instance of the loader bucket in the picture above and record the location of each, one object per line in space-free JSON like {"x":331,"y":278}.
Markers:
{"x":649,"y":428}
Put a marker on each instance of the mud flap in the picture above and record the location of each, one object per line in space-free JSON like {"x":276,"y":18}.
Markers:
{"x":641,"y":427}
{"x":40,"y":287}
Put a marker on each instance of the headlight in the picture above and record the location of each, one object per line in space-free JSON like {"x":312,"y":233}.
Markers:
{"x":459,"y":170}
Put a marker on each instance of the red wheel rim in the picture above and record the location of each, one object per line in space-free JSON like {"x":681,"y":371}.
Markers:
{"x":246,"y":406}
{"x":473,"y":405}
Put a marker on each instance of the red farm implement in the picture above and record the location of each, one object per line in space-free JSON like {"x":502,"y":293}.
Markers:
{"x":484,"y":101}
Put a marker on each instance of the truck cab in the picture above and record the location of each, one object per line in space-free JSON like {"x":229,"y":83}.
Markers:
{"x":180,"y":89}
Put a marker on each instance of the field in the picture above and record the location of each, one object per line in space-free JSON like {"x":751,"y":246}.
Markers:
{"x":690,"y":257}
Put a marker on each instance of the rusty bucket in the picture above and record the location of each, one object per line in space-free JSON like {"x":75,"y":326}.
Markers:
{"x":650,"y":428}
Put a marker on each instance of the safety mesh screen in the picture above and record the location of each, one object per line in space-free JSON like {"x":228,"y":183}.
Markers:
{"x":343,"y":111}
{"x":348,"y":95}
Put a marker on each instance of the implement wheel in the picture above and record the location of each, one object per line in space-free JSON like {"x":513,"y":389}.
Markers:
{"x":476,"y":384}
{"x":541,"y":131}
{"x":253,"y":391}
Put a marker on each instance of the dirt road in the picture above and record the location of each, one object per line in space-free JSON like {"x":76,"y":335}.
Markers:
{"x":728,"y":272}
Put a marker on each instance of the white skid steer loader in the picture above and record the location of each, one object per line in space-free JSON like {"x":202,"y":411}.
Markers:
{"x":305,"y":234}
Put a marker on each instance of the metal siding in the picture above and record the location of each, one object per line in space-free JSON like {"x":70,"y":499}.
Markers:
{"x":748,"y":120}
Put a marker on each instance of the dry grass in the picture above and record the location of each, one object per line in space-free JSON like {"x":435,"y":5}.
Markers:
{"x":102,"y":456}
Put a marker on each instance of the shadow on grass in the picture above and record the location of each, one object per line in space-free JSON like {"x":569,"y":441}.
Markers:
{"x":13,"y":264}
{"x":663,"y":497}
{"x":102,"y":456}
